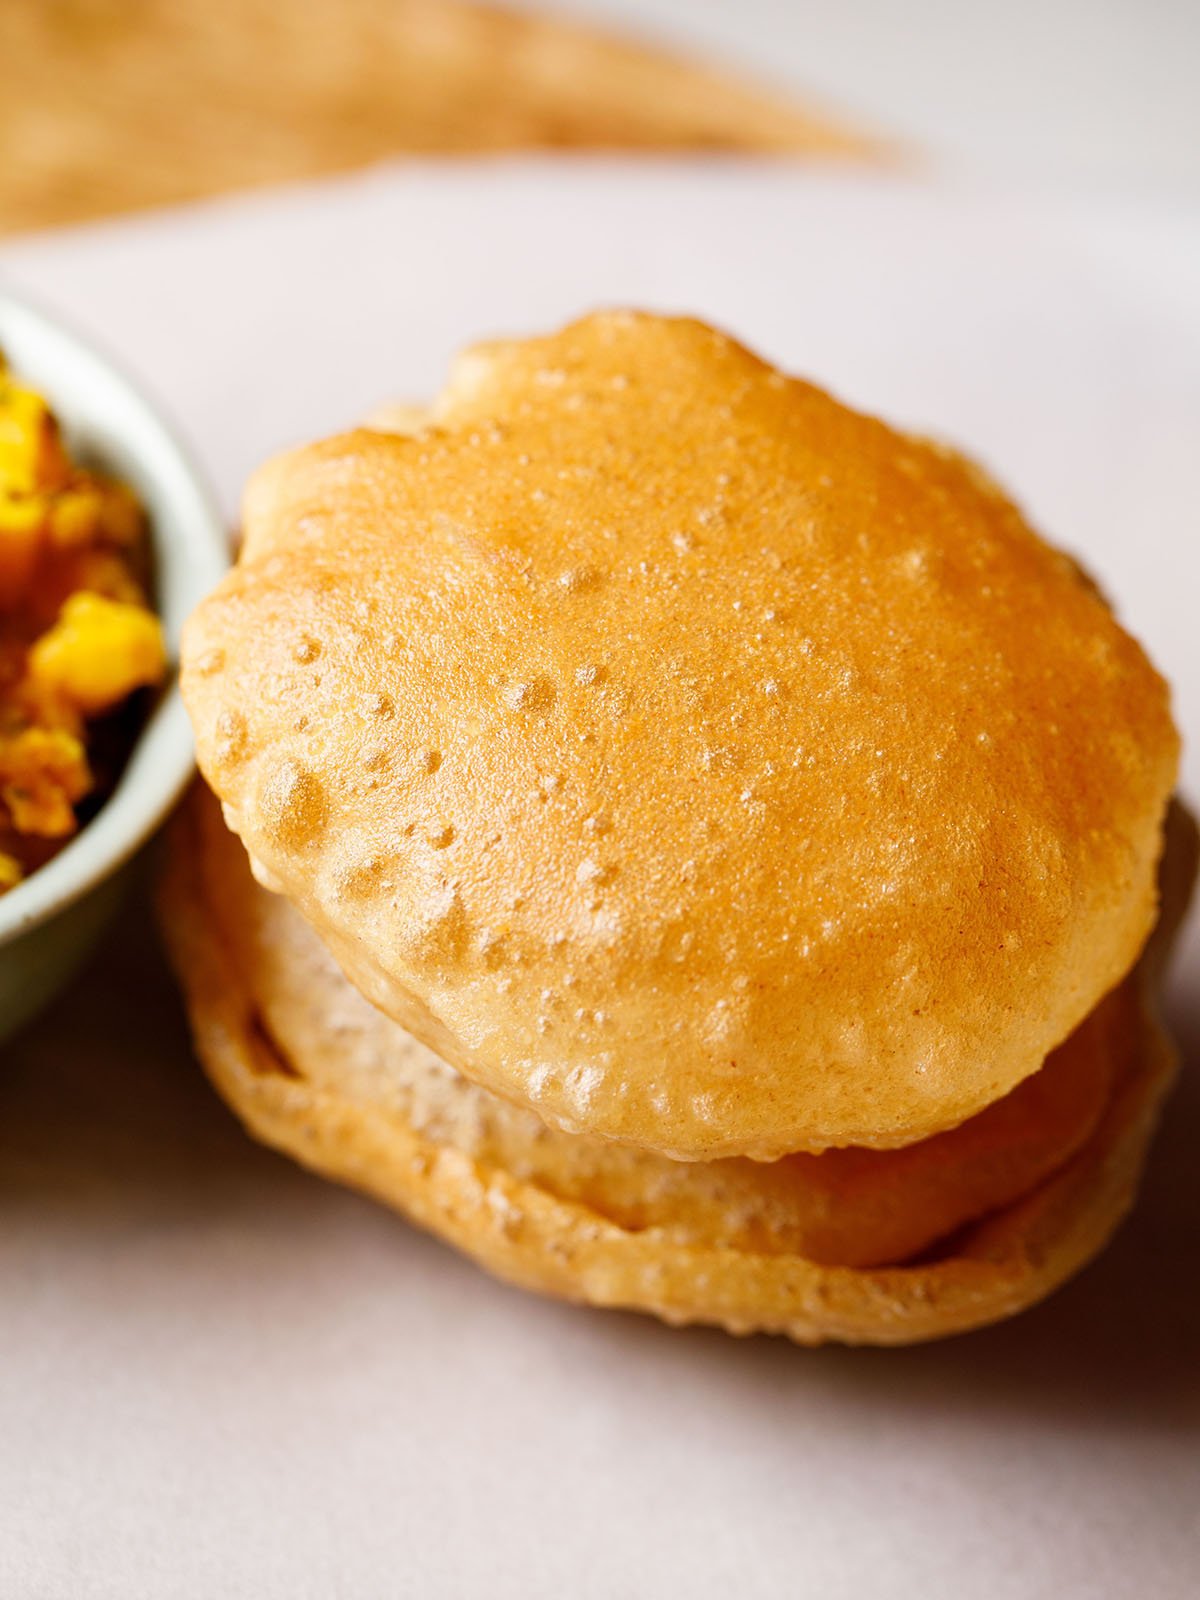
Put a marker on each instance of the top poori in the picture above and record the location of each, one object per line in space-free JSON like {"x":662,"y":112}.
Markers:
{"x":682,"y":754}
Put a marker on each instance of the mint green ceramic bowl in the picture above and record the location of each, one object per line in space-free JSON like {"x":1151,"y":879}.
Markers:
{"x":49,"y":922}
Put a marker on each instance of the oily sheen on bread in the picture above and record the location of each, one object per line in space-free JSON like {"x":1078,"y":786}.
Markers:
{"x":997,"y":1212}
{"x":683,"y":755}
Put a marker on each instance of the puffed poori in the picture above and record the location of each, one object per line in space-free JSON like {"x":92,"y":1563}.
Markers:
{"x":737,"y":830}
{"x":682,"y":754}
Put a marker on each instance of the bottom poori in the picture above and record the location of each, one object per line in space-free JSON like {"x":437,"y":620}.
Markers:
{"x":862,"y":1246}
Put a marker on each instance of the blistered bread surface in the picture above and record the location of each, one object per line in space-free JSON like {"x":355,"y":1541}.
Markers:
{"x":682,"y":754}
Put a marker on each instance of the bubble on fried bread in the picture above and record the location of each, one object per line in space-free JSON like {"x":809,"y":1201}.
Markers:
{"x":263,"y":875}
{"x":209,"y":663}
{"x":578,"y":580}
{"x":530,"y":695}
{"x":232,"y":739}
{"x":378,"y":704}
{"x":355,"y":876}
{"x":434,"y":930}
{"x":291,"y":804}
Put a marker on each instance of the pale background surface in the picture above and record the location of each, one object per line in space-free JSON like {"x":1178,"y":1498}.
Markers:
{"x":223,"y":1377}
{"x":1099,"y":94}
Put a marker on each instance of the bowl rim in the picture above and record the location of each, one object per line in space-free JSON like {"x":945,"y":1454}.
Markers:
{"x":162,"y":759}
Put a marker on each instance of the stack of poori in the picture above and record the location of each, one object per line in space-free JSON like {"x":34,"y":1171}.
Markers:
{"x":706,"y":845}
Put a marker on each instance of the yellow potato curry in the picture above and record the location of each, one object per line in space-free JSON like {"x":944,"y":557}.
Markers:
{"x":78,"y":635}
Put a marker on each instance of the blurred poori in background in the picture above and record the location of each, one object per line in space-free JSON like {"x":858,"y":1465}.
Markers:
{"x":120,"y":104}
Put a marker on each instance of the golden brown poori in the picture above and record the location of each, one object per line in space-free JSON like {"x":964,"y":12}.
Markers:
{"x":682,"y":754}
{"x":736,"y":829}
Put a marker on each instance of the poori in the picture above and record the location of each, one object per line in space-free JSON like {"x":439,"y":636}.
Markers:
{"x":700,"y":816}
